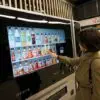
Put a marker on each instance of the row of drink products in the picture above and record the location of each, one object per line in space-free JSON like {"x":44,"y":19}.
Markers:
{"x":19,"y":37}
{"x":23,"y":53}
{"x":32,"y":65}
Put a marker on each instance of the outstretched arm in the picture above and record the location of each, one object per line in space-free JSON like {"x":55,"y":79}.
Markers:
{"x":65,"y":59}
{"x":68,"y":60}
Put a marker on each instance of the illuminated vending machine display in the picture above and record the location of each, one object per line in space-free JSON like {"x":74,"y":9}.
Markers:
{"x":29,"y":48}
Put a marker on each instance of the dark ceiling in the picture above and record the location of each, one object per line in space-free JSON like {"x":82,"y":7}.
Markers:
{"x":78,"y":2}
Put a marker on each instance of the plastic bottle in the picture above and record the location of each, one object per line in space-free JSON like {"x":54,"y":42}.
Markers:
{"x":12,"y":55}
{"x":39,"y":51}
{"x":24,"y":54}
{"x":11,"y":37}
{"x":39,"y":64}
{"x":36,"y":65}
{"x":34,"y":52}
{"x":23,"y":37}
{"x":21,"y":69}
{"x":18,"y":54}
{"x":28,"y":37}
{"x":42,"y":38}
{"x":52,"y":37}
{"x":46,"y":38}
{"x":30,"y":55}
{"x":49,"y":38}
{"x":26,"y":68}
{"x":30,"y":66}
{"x":15,"y":72}
{"x":33,"y":38}
{"x":17,"y":38}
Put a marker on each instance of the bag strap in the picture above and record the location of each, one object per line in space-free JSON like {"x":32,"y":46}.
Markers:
{"x":90,"y":71}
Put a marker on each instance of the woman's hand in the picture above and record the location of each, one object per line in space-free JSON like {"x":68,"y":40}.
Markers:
{"x":52,"y":54}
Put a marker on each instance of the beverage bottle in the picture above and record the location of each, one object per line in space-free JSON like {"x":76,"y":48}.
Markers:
{"x":18,"y":54}
{"x":30,"y":66}
{"x":34,"y":52}
{"x":47,"y":62}
{"x":15,"y":72}
{"x":30,"y":55}
{"x":52,"y":37}
{"x":28,"y":37}
{"x":11,"y":37}
{"x":23,"y":37}
{"x":24,"y":54}
{"x":49,"y":38}
{"x":21,"y":69}
{"x":39,"y":50}
{"x":35,"y":65}
{"x":44,"y":62}
{"x":46,"y":38}
{"x":33,"y":36}
{"x":42,"y":38}
{"x":39,"y":64}
{"x":17,"y":38}
{"x":12,"y":55}
{"x":36,"y":39}
{"x":26,"y":68}
{"x":55,"y":39}
{"x":46,"y":49}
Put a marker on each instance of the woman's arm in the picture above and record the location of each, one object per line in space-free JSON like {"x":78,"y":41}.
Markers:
{"x":68,"y":60}
{"x":65,"y":59}
{"x":96,"y":79}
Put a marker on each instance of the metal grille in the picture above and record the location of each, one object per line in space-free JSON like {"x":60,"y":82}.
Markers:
{"x":59,"y":8}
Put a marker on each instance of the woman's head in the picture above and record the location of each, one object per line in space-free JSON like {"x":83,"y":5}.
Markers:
{"x":89,"y":39}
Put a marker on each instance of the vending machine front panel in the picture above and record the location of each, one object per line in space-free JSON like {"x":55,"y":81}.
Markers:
{"x":27,"y":68}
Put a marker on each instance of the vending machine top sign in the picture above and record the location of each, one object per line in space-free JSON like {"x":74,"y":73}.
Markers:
{"x":29,"y":48}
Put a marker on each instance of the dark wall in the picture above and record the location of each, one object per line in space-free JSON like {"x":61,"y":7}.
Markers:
{"x":87,"y":10}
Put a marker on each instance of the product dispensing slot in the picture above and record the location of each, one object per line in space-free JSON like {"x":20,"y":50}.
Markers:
{"x":59,"y":94}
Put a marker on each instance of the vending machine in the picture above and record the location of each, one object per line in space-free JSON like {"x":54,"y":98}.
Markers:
{"x":27,"y":67}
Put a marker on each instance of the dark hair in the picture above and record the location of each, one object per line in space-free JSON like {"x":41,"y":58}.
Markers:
{"x":90,"y":37}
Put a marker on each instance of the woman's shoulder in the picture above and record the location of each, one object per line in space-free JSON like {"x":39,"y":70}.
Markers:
{"x":95,"y":61}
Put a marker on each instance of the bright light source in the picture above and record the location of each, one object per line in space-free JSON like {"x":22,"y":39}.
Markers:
{"x":30,"y":20}
{"x":51,"y":22}
{"x":7,"y":16}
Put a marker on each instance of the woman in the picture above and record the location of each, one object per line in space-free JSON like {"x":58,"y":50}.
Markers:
{"x":88,"y":72}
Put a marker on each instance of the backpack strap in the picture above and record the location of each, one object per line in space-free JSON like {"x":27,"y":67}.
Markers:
{"x":90,"y":72}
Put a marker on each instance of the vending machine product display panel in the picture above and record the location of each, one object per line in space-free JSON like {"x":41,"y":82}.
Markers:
{"x":26,"y":67}
{"x":29,"y":48}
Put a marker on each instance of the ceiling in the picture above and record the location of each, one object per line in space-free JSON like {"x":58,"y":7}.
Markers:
{"x":78,"y":2}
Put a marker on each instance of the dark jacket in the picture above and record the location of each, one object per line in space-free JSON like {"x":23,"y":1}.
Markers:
{"x":85,"y":90}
